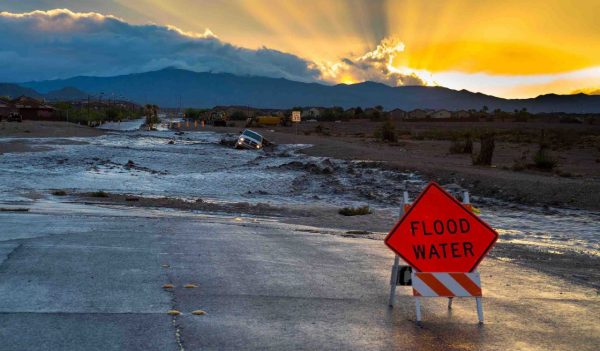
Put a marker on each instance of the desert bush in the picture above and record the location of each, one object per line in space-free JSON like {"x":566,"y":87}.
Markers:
{"x":460,"y":147}
{"x":319,"y":129}
{"x":543,"y":160}
{"x":355,"y":211}
{"x":386,"y":132}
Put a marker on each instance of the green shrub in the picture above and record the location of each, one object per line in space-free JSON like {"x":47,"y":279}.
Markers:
{"x":355,"y":211}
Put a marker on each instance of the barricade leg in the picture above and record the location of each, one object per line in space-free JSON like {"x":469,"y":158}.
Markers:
{"x":418,"y":309}
{"x":393,"y":281}
{"x":449,"y":303}
{"x":479,"y":309}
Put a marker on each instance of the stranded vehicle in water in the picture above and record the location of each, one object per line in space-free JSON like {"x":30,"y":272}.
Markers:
{"x":250,"y":140}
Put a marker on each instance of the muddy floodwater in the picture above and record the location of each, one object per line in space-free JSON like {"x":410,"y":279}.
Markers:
{"x":195,"y":165}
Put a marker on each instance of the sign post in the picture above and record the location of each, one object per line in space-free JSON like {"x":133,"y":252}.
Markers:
{"x":396,"y":266}
{"x":296,"y":118}
{"x":444,"y":242}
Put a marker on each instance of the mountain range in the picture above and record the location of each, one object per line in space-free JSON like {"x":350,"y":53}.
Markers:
{"x":172,"y":87}
{"x":68,"y":93}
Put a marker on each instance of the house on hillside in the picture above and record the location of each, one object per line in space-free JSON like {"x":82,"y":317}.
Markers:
{"x":30,"y":108}
{"x":398,"y":114}
{"x":6,"y":107}
{"x":417,"y":114}
{"x":441,"y":114}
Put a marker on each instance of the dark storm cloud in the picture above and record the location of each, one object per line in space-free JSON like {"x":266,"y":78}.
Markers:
{"x":60,"y":43}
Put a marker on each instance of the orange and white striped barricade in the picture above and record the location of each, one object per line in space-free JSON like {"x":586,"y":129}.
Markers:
{"x":448,"y":285}
{"x":405,"y":276}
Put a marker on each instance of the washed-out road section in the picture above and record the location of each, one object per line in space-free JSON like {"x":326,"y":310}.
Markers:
{"x":81,"y":277}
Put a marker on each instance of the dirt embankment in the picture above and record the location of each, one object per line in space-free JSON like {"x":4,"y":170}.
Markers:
{"x":46,"y":129}
{"x":39,"y":129}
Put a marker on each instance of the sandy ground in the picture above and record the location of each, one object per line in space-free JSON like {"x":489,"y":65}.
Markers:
{"x":578,"y":187}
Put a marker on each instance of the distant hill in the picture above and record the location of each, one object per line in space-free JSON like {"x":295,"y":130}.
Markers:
{"x":15,"y":90}
{"x":67,"y":93}
{"x":176,"y":87}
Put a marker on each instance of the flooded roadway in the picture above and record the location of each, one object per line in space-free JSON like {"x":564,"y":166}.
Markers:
{"x":87,"y":277}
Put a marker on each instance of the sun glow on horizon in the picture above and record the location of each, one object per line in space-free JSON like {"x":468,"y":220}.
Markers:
{"x":509,"y":49}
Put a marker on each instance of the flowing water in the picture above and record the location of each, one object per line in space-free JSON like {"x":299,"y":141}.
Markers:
{"x":197,"y":166}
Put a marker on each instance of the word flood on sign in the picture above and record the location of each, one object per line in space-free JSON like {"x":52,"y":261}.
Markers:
{"x":438,"y":234}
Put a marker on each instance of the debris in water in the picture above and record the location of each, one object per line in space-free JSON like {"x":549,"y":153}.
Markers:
{"x":199,"y":312}
{"x":190,"y":286}
{"x":173,"y":312}
{"x":14,"y":209}
{"x":355,"y":211}
{"x":358,"y":232}
{"x":168,"y":286}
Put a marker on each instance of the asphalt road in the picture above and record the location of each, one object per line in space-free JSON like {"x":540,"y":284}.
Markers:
{"x":93,"y":280}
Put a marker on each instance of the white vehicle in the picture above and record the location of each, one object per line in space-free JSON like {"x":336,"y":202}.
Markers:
{"x":249,"y":140}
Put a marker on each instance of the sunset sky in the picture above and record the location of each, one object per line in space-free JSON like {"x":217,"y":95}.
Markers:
{"x":504,"y":48}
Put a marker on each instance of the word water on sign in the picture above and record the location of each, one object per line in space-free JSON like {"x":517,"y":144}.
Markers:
{"x":452,"y":249}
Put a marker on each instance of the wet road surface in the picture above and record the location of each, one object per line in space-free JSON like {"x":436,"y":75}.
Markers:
{"x":92,"y":280}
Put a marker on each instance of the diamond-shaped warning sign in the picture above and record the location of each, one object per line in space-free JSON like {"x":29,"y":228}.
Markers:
{"x":438,"y":234}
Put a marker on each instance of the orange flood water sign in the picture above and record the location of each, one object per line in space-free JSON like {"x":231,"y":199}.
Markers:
{"x":438,"y":234}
